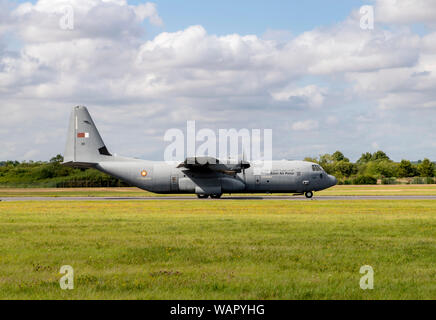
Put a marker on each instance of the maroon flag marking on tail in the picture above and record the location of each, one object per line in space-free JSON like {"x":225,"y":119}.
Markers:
{"x":82,"y":135}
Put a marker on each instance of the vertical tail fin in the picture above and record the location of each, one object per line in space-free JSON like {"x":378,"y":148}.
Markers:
{"x":84,"y":147}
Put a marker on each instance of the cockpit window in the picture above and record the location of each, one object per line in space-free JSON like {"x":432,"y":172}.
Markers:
{"x":316,"y":167}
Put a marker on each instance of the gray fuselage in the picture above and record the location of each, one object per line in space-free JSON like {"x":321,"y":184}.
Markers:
{"x":160,"y":177}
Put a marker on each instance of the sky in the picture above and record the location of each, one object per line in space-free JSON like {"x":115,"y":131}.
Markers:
{"x":307,"y":70}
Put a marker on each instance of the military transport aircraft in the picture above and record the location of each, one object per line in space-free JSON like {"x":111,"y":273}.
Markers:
{"x":203,"y":176}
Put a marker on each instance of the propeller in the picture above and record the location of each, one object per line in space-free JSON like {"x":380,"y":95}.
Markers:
{"x":244,"y":164}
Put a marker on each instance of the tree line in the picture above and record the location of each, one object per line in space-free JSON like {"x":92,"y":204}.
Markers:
{"x":371,"y":168}
{"x":52,"y":174}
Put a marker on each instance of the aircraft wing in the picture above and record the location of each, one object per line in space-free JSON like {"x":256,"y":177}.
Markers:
{"x":210,"y":164}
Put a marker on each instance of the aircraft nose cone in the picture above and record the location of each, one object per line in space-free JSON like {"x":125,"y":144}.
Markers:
{"x":333,"y":180}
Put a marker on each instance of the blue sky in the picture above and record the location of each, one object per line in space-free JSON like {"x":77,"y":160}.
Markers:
{"x":250,"y":16}
{"x":253,"y":16}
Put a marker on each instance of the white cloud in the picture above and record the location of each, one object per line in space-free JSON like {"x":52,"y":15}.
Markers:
{"x":332,"y":120}
{"x":40,"y":22}
{"x":410,"y":86}
{"x":305,"y":125}
{"x":148,"y":11}
{"x":406,"y":11}
{"x":277,"y":35}
{"x":311,"y":96}
{"x":134,"y":84}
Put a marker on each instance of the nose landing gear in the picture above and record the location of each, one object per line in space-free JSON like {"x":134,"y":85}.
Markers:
{"x":309,"y":194}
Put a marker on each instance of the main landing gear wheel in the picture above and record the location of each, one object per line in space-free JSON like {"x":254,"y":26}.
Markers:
{"x":309,"y":194}
{"x":202,"y":196}
{"x":216,"y":196}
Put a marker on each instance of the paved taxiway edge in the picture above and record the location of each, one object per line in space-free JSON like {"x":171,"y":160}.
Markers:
{"x":294,"y":198}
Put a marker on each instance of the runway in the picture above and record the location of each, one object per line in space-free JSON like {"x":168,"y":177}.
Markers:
{"x":185,"y":198}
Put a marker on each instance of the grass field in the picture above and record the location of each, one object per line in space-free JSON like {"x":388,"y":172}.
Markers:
{"x":218,"y":249}
{"x":370,"y":190}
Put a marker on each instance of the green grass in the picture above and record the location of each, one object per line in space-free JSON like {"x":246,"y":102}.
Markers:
{"x":218,"y":249}
{"x":76,"y":192}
